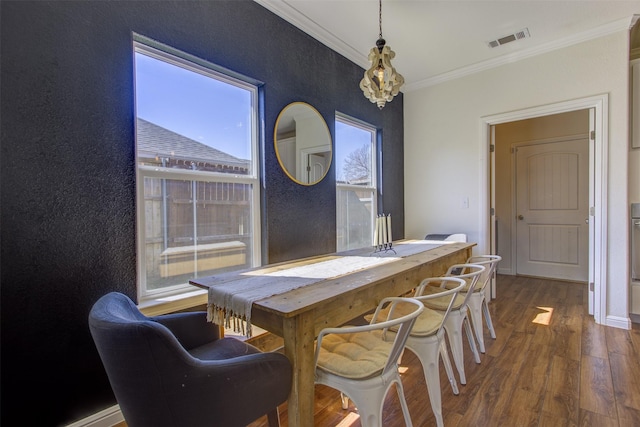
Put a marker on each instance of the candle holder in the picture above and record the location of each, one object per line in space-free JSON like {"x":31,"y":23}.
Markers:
{"x":386,"y":247}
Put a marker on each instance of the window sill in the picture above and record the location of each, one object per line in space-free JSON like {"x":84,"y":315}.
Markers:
{"x":173,"y":303}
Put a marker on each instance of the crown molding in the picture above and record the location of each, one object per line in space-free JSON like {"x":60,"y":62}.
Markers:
{"x":601,"y":31}
{"x":290,"y":14}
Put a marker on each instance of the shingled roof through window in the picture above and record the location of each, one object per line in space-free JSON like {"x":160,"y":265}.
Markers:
{"x":155,"y":141}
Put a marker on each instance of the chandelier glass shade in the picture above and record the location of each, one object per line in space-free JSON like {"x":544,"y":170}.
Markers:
{"x":381,"y":82}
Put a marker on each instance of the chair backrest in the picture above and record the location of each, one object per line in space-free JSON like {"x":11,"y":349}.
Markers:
{"x":456,"y":237}
{"x":490,"y":262}
{"x":452,"y":285}
{"x":385,"y":318}
{"x":122,"y":333}
{"x":468,"y":272}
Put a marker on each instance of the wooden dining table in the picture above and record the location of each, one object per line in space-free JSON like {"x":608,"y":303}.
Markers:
{"x":298,"y":315}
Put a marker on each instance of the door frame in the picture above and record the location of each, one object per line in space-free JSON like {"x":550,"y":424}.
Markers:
{"x":597,"y":183}
{"x":304,"y":160}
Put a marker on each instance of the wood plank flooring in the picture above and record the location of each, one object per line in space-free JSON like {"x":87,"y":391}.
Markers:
{"x":550,"y":365}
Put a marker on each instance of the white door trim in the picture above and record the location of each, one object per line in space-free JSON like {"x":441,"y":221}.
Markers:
{"x":600,"y":103}
{"x":592,"y":229}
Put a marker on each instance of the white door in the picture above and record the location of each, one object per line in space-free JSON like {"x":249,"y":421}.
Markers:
{"x":552,"y":198}
{"x":316,"y":167}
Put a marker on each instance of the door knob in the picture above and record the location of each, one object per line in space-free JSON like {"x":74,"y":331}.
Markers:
{"x":586,"y":220}
{"x":520,"y":217}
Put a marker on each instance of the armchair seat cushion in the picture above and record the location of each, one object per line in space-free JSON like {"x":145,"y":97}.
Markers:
{"x":224,"y":348}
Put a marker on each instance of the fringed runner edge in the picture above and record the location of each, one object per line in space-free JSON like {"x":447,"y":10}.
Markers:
{"x":225,"y":318}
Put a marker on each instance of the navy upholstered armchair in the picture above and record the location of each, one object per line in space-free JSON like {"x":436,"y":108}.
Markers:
{"x":175,"y":370}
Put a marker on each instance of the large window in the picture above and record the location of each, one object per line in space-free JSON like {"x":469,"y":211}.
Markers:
{"x":196,"y":153}
{"x":356,"y":179}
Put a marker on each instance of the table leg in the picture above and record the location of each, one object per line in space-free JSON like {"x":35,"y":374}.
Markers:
{"x":299,"y":348}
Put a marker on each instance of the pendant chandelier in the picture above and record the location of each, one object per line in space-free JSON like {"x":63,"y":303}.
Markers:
{"x":381,"y":81}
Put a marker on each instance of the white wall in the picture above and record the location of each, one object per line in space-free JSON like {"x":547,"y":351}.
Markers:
{"x":443,"y":133}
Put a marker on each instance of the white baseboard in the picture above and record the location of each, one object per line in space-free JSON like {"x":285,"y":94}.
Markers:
{"x":618,"y":322}
{"x":105,"y":418}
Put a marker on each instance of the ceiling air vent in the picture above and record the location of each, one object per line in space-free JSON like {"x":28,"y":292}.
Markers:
{"x":522,"y":34}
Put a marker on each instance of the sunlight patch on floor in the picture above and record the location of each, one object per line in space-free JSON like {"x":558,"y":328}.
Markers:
{"x":544,"y":318}
{"x":349,"y":420}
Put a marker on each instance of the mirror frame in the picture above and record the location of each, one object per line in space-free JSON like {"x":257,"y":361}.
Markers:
{"x":287,"y":118}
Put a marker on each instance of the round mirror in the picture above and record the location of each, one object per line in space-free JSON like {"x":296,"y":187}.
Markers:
{"x":303,"y":143}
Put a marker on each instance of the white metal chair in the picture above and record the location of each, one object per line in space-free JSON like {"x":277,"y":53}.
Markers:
{"x":458,"y":318}
{"x":362,"y":361}
{"x":478,"y":301}
{"x":427,"y":338}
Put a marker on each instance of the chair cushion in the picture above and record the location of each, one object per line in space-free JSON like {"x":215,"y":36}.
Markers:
{"x":224,"y":348}
{"x":467,"y":284}
{"x":467,"y":281}
{"x":358,"y":356}
{"x":441,"y":303}
{"x":427,"y":323}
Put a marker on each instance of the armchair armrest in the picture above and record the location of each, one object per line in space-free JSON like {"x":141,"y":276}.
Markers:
{"x":191,"y":328}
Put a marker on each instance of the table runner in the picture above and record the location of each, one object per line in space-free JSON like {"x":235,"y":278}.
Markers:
{"x":230,"y":302}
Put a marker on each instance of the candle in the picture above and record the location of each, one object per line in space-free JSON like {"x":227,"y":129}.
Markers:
{"x":375,"y":232}
{"x":389,"y":228}
{"x":384,"y":230}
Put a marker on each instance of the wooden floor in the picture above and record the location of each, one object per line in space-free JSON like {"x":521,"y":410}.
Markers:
{"x":550,"y":365}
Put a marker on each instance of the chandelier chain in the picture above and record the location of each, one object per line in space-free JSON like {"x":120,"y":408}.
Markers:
{"x":380,"y":17}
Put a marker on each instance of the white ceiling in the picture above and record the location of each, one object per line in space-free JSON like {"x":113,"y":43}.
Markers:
{"x":435,"y":41}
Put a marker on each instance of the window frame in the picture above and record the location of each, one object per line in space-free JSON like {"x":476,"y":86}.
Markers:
{"x":181,"y":59}
{"x":376,"y":157}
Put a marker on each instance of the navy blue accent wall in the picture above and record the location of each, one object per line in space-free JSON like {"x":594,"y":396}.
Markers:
{"x":68,"y":173}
